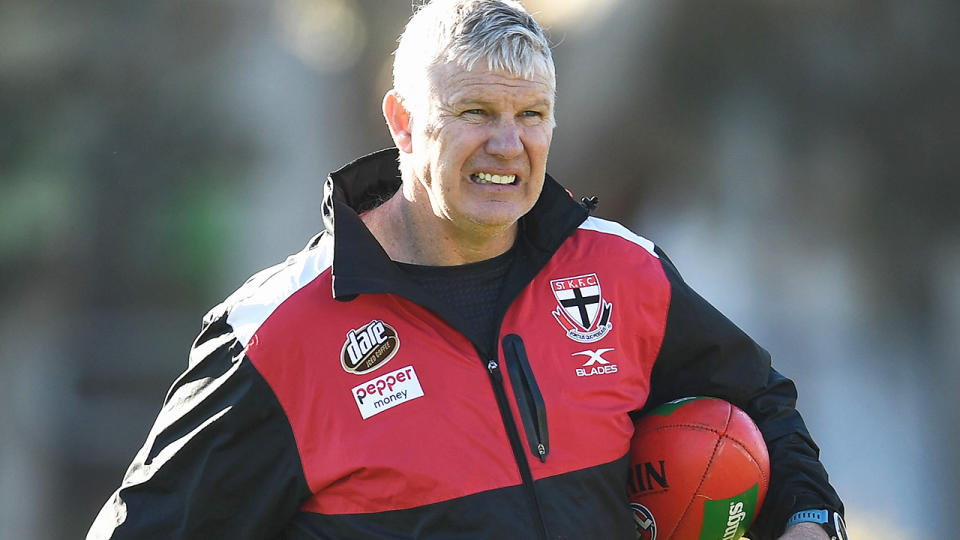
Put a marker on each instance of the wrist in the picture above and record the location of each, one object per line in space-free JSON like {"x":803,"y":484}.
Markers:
{"x":805,"y":531}
{"x":828,"y":521}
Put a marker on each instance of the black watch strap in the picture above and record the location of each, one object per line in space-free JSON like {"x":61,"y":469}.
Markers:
{"x":831,"y":521}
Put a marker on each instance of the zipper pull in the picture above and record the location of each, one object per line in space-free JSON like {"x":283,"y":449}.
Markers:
{"x":494,"y":369}
{"x":542,"y":450}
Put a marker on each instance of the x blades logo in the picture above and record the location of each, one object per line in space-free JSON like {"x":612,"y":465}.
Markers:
{"x":596,"y":362}
{"x":596,"y":357}
{"x":581,"y":310}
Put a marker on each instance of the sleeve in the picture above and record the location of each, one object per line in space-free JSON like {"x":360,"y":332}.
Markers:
{"x":220,"y":461}
{"x":703,"y":353}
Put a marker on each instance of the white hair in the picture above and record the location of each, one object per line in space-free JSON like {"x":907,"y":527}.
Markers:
{"x":465,"y":32}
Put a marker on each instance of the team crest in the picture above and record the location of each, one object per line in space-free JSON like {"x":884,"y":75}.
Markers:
{"x":581,"y":310}
{"x":643,"y":519}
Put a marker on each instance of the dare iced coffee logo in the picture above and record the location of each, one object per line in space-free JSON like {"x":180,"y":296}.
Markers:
{"x":369,"y":347}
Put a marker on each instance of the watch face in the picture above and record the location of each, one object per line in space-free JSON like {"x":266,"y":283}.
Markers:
{"x":840,"y":527}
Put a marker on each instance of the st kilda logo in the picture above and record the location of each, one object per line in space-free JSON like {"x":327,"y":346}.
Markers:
{"x":369,"y":347}
{"x":581,"y":310}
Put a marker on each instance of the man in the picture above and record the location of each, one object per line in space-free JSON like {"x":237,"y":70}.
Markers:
{"x":460,"y":353}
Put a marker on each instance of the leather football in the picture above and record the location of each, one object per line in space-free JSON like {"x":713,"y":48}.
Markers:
{"x":699,"y":470}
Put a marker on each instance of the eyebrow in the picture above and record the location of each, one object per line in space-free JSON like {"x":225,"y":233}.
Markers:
{"x":541,"y":103}
{"x":466,"y":102}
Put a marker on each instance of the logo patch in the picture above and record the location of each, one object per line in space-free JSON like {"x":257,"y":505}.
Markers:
{"x":646,"y":525}
{"x":369,"y":347}
{"x":596,"y":364}
{"x":387,"y":391}
{"x":581,"y":310}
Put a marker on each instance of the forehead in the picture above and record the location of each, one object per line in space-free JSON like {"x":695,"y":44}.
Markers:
{"x":451,"y":83}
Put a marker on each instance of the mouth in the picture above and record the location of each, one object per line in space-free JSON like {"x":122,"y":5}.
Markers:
{"x":489,"y":178}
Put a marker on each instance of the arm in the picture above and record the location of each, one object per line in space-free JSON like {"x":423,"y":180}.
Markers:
{"x":220,"y":461}
{"x":805,"y":531}
{"x":703,"y":353}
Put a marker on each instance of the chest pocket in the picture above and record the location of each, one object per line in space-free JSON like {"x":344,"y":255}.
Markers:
{"x":533,"y":410}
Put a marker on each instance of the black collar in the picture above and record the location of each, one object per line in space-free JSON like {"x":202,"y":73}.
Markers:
{"x":360,"y":264}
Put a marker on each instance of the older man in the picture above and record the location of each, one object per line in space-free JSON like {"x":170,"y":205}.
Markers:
{"x":420,"y":369}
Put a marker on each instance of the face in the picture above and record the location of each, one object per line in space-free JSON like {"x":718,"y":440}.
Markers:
{"x":478,"y":147}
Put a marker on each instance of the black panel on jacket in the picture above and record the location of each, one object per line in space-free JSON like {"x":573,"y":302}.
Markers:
{"x":185,"y":482}
{"x":578,"y":505}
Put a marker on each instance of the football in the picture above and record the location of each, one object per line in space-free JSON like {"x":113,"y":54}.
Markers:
{"x":699,"y":470}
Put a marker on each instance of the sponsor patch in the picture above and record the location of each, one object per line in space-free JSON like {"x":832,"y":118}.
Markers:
{"x":581,"y":310}
{"x":369,"y":347}
{"x":596,"y":364}
{"x":387,"y":391}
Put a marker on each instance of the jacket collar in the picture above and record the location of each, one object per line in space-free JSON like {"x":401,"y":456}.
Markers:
{"x":360,"y":264}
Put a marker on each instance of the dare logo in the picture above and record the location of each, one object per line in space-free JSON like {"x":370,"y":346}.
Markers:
{"x":369,"y":347}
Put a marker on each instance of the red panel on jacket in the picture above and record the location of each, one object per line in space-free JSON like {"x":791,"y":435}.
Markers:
{"x":451,"y":442}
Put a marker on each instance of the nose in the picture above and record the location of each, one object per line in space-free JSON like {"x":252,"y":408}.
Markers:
{"x":504,"y":141}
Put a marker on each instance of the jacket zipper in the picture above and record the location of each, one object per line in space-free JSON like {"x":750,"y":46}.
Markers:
{"x":533,"y":411}
{"x":519,"y":454}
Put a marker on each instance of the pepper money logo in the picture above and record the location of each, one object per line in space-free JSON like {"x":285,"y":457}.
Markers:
{"x":387,"y":391}
{"x":369,"y":347}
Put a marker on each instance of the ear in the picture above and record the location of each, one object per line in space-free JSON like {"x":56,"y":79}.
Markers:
{"x":398,"y":120}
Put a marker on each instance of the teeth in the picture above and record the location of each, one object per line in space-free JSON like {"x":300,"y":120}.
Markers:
{"x":487,"y":178}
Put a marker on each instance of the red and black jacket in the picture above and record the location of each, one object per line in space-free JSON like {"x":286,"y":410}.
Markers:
{"x":331,"y":398}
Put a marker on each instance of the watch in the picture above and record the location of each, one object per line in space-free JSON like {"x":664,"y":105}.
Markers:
{"x":831,"y":521}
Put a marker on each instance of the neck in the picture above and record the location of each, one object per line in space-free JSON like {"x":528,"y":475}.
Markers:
{"x":410,"y":236}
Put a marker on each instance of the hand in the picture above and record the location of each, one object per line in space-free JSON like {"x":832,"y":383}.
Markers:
{"x":805,"y":531}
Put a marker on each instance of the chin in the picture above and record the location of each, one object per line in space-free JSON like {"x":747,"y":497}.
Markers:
{"x":497,"y":220}
{"x":493,"y":214}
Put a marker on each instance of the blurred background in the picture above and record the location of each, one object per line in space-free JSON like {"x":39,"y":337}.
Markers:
{"x":797,"y":160}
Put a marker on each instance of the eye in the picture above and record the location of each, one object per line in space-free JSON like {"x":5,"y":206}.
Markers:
{"x":532,"y":116}
{"x":469,"y":112}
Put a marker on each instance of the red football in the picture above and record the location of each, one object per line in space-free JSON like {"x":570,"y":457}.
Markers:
{"x":699,"y":470}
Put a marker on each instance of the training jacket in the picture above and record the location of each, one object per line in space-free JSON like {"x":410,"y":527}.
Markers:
{"x":332,"y":398}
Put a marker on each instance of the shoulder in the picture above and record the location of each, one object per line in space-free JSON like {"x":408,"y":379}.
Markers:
{"x":608,"y":248}
{"x":610,"y":234}
{"x":252,"y":304}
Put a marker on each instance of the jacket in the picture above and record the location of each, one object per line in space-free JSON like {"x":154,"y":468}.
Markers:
{"x":331,"y":398}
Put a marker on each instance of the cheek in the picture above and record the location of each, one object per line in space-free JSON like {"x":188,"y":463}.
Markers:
{"x":538,"y":142}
